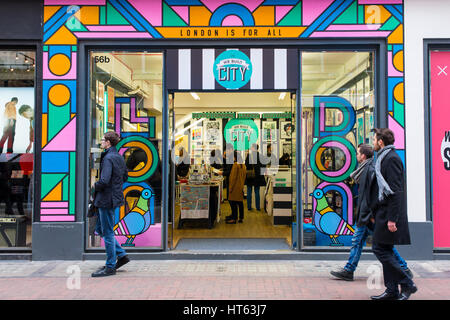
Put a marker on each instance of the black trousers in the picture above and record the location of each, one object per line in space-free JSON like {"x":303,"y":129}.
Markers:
{"x":393,"y":274}
{"x":234,"y":209}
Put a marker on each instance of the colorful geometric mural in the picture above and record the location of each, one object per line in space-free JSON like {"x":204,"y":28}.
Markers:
{"x":66,"y":21}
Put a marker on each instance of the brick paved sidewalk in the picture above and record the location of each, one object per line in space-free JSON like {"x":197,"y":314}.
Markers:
{"x":210,"y":280}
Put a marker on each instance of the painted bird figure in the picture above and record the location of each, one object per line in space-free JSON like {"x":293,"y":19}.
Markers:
{"x":137,"y":221}
{"x":327,"y":221}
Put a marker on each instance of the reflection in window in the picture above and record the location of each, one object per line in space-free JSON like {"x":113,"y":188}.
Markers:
{"x":17,"y":99}
{"x":126,"y":97}
{"x":337,"y":115}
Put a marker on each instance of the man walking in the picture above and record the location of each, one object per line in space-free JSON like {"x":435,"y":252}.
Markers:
{"x":108,"y":197}
{"x":391,"y":220}
{"x":364,"y":176}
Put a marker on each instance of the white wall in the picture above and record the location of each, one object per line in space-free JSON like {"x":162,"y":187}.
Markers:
{"x":422,"y":20}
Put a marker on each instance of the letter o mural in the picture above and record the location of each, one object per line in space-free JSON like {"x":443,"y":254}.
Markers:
{"x":150,"y":151}
{"x":59,"y":95}
{"x":350,"y":159}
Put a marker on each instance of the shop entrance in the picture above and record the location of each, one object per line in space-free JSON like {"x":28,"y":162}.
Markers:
{"x":213,"y":135}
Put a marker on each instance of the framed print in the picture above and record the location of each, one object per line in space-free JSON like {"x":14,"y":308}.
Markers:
{"x":269,"y":131}
{"x":360,"y":131}
{"x":287,"y":129}
{"x":367,"y":91}
{"x":100,"y":93}
{"x":111,"y":93}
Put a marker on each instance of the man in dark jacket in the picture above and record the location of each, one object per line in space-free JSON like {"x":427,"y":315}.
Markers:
{"x":109,"y":197}
{"x":364,"y":176}
{"x":391,"y":220}
{"x":254,"y":179}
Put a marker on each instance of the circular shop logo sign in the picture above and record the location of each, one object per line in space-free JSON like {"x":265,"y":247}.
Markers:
{"x":232,"y":69}
{"x":241,"y":133}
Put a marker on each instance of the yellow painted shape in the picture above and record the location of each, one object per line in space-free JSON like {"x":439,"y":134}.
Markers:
{"x":396,"y":36}
{"x":55,"y":194}
{"x":399,"y":93}
{"x":49,"y":11}
{"x":318,"y":157}
{"x":398,"y":61}
{"x":59,"y":94}
{"x":264,"y":16}
{"x":199,"y":16}
{"x":376,"y":14}
{"x":59,"y":64}
{"x":62,"y":36}
{"x":325,"y":210}
{"x":88,"y":15}
{"x":44,"y":129}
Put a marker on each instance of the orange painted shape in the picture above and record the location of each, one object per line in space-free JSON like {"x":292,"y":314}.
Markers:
{"x":88,"y":15}
{"x":62,"y":36}
{"x":55,"y":194}
{"x":398,"y":61}
{"x":49,"y":11}
{"x":376,"y":14}
{"x":264,"y":16}
{"x":44,"y":129}
{"x":59,"y":64}
{"x":396,"y":36}
{"x":399,"y":93}
{"x":199,"y":16}
{"x":59,"y":94}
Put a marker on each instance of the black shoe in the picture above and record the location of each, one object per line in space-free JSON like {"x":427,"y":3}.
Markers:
{"x":231,"y":221}
{"x":228,"y":218}
{"x":407,"y":292}
{"x":104,"y":272}
{"x":386,"y":296}
{"x":122,"y":261}
{"x":409,"y":273}
{"x":240,"y":220}
{"x":343,"y":274}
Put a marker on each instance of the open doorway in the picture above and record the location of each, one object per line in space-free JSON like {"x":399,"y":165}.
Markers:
{"x":209,"y":133}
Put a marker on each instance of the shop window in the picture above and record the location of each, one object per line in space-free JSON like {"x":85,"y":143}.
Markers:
{"x":337,"y":116}
{"x":17,"y":105}
{"x":126,"y":97}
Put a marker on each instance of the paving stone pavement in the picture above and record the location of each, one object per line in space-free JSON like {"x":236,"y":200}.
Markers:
{"x":210,"y":280}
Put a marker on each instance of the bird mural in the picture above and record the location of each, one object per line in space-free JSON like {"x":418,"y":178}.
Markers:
{"x":137,"y":221}
{"x":327,"y":220}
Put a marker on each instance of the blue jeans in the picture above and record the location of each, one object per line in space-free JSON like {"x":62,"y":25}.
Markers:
{"x":249,"y":197}
{"x":358,"y":241}
{"x":104,"y":228}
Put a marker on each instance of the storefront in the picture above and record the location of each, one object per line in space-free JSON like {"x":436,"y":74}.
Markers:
{"x":296,"y":85}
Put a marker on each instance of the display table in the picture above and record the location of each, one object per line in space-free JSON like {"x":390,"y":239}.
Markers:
{"x":199,"y":202}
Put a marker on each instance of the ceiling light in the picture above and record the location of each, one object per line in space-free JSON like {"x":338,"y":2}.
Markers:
{"x":195,"y":96}
{"x":282,"y":96}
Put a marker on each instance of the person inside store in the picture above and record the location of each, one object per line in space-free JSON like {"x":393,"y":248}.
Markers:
{"x":27,"y":112}
{"x":9,"y":128}
{"x":227,"y":164}
{"x":285,"y":160}
{"x":254,"y":177}
{"x":183,"y":164}
{"x":216,"y":160}
{"x":236,"y":189}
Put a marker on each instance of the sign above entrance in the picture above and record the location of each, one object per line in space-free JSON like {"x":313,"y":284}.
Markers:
{"x":237,"y":69}
{"x":232,"y":69}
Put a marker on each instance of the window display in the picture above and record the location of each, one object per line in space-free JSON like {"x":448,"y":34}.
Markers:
{"x":17,"y":108}
{"x":337,"y":116}
{"x":126,"y":98}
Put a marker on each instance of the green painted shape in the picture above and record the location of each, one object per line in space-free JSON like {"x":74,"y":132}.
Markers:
{"x":73,"y":24}
{"x":102,"y":15}
{"x":45,"y":48}
{"x":49,"y":181}
{"x":349,"y":16}
{"x":389,"y":47}
{"x":74,"y":48}
{"x":72,"y":181}
{"x":293,"y":18}
{"x":171,"y":19}
{"x":65,"y":187}
{"x":114,"y":17}
{"x":58,"y":117}
{"x":399,"y":113}
{"x":361,"y":17}
{"x":390,"y":24}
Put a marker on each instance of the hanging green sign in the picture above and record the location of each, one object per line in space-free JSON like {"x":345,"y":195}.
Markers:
{"x":241,"y":133}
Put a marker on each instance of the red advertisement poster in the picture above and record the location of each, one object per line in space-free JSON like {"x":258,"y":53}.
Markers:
{"x":440,"y":144}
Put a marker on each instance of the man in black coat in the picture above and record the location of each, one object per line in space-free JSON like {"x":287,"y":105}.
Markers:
{"x":254,"y":179}
{"x":391,"y":220}
{"x":109,"y":197}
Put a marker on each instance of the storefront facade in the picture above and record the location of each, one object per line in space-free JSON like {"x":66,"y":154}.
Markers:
{"x":125,"y":65}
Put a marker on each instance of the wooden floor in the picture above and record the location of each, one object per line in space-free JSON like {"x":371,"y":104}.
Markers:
{"x":256,"y":224}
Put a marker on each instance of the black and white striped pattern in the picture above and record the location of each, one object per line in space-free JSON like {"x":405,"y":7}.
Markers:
{"x":192,"y":69}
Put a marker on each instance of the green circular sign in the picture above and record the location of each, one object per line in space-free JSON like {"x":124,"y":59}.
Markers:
{"x":232,"y":69}
{"x":241,"y":133}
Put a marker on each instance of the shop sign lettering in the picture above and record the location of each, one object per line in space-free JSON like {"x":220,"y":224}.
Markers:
{"x":445,"y":150}
{"x":241,"y":133}
{"x":232,"y":69}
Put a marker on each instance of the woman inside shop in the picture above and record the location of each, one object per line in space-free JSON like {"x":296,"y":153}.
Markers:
{"x":255,"y":178}
{"x":236,"y":189}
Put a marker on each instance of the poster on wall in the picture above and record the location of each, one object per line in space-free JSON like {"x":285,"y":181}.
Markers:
{"x":110,"y":104}
{"x":17,"y":120}
{"x":360,"y":131}
{"x":269,"y":131}
{"x":287,"y":130}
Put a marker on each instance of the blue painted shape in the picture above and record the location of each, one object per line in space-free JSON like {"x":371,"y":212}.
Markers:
{"x":321,"y":18}
{"x":231,"y":9}
{"x":55,"y":162}
{"x":184,"y":3}
{"x":55,"y":49}
{"x":392,"y":82}
{"x":58,"y":15}
{"x":71,"y":84}
{"x":396,"y":48}
{"x":127,"y":15}
{"x":397,"y":14}
{"x":401,"y":154}
{"x":280,"y":2}
{"x":329,"y":20}
{"x":136,"y":15}
{"x":122,"y":100}
{"x":127,"y":134}
{"x":60,"y":22}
